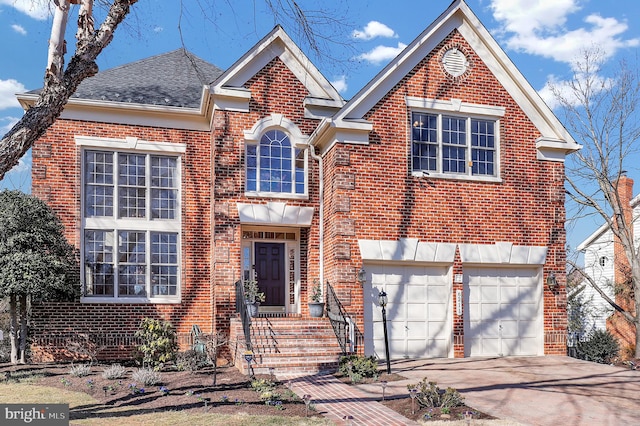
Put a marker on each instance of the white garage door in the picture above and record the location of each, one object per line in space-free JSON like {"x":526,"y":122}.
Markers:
{"x":502,"y":312}
{"x":418,"y":311}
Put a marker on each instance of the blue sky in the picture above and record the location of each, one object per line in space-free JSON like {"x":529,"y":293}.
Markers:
{"x":542,"y":37}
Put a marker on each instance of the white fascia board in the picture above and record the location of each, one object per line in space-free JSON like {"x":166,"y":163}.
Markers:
{"x":133,"y":114}
{"x":593,"y":237}
{"x":278,"y":44}
{"x":330,"y":132}
{"x":397,"y":69}
{"x":553,"y":149}
{"x":226,"y":99}
{"x":513,"y":81}
{"x":455,"y":105}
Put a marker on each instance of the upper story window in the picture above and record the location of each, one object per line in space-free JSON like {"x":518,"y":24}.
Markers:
{"x":276,"y":161}
{"x":131,"y":225}
{"x":450,"y":143}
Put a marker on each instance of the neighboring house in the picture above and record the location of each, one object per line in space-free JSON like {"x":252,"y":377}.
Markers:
{"x":604,"y":262}
{"x":440,"y":183}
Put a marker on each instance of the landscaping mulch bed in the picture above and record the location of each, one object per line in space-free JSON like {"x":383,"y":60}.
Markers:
{"x":179,"y":391}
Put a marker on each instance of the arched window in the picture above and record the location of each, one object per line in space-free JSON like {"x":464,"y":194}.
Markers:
{"x":274,"y":165}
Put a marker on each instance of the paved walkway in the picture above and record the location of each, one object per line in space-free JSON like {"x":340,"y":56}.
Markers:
{"x":538,"y":391}
{"x":337,"y":401}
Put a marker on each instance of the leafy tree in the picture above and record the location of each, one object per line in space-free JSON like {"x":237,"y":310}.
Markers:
{"x":60,"y":82}
{"x":36,"y":261}
{"x":600,"y":110}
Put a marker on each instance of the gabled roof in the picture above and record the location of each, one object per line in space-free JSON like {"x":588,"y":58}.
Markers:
{"x":349,"y":121}
{"x":173,"y":79}
{"x":593,"y":238}
{"x":229,"y":90}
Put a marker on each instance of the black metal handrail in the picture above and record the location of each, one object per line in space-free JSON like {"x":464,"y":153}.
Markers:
{"x":349,"y":336}
{"x":241,"y":308}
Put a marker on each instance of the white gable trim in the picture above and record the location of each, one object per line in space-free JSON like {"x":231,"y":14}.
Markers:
{"x":459,"y":16}
{"x":456,"y":106}
{"x":275,"y":213}
{"x":275,"y":44}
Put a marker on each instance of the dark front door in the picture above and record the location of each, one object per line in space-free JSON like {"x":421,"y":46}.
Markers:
{"x":270,"y":272}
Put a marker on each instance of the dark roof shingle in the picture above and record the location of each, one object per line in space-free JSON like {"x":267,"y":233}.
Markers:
{"x":170,"y":79}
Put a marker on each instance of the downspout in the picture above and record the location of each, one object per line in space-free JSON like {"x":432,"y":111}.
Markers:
{"x":318,"y":158}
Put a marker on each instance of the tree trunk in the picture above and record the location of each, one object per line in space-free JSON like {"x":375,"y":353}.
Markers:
{"x":57,"y":91}
{"x":23,"y":329}
{"x":13,"y":330}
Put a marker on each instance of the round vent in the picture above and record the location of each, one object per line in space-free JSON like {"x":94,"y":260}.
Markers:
{"x":454,"y":62}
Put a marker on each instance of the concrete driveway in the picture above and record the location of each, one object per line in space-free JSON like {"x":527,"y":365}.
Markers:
{"x":550,"y":390}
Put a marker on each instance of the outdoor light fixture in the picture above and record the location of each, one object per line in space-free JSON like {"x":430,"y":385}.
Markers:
{"x":362,"y":276}
{"x":551,"y":281}
{"x":382,"y":301}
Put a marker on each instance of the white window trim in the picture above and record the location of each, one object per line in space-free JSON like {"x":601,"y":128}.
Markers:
{"x":132,"y":145}
{"x":456,"y":108}
{"x":289,"y":245}
{"x":298,"y":141}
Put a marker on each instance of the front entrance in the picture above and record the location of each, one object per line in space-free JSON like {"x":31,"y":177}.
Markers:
{"x":270,"y":272}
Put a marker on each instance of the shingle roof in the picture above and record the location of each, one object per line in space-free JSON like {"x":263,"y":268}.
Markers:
{"x":170,"y":79}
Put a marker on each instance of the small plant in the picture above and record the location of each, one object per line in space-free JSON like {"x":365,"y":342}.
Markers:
{"x":224,"y":399}
{"x":114,"y":371}
{"x":601,"y":347}
{"x":252,"y":293}
{"x":65,"y":382}
{"x":358,"y":367}
{"x":158,"y":342}
{"x":90,"y":384}
{"x":164,"y":391}
{"x":316,"y":292}
{"x":190,"y":360}
{"x":80,"y":370}
{"x":147,"y":376}
{"x":135,"y":390}
{"x":451,"y":398}
{"x":428,"y":393}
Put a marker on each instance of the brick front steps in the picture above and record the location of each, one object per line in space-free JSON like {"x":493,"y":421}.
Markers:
{"x":287,"y":345}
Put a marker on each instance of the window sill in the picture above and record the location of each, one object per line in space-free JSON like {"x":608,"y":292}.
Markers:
{"x":130,"y":300}
{"x":431,"y":175}
{"x":276,"y":195}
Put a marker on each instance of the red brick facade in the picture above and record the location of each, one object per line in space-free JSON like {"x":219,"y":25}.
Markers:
{"x":369,"y":194}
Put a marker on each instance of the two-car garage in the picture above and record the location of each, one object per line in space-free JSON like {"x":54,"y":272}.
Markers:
{"x":501,"y":306}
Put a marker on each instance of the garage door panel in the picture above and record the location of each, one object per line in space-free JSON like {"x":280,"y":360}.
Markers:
{"x":502,"y":311}
{"x":419,"y":305}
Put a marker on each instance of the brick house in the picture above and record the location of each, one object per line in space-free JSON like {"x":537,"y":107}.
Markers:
{"x":440,"y":183}
{"x":606,"y":263}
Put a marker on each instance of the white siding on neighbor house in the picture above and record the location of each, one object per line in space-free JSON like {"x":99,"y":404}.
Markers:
{"x":601,"y":248}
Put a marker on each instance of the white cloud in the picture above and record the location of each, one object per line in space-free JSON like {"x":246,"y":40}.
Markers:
{"x":6,"y":123}
{"x":382,"y":53}
{"x":340,"y":84}
{"x":8,"y":90}
{"x":158,"y":29}
{"x":557,"y":92}
{"x":372,"y":30}
{"x":36,"y":9}
{"x":539,"y":28}
{"x":19,"y":29}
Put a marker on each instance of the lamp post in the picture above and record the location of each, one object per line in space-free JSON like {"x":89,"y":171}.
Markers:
{"x":382,"y":301}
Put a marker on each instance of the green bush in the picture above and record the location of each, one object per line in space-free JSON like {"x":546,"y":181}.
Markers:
{"x":158,"y":342}
{"x":358,"y":367}
{"x":600,"y":347}
{"x":190,"y":360}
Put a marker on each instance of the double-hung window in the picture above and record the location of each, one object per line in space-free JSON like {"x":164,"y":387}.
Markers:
{"x":131,"y":225}
{"x":451,"y":145}
{"x":275,"y":166}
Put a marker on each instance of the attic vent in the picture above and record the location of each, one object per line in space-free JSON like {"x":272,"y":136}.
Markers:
{"x":455,"y":62}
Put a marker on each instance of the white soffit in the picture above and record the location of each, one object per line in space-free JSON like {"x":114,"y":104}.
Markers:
{"x":275,"y":213}
{"x":406,"y":250}
{"x":502,"y":253}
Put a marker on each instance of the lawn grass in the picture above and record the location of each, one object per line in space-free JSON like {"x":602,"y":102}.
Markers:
{"x":86,"y":410}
